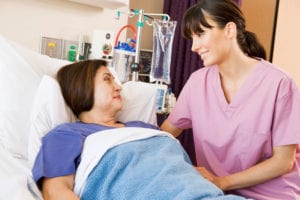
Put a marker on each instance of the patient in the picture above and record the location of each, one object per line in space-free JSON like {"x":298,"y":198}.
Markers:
{"x":91,"y":92}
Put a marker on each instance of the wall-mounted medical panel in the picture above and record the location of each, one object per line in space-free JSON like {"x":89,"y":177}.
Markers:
{"x":64,"y":49}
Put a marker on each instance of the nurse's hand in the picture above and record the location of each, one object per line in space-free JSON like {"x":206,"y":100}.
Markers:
{"x":218,"y":181}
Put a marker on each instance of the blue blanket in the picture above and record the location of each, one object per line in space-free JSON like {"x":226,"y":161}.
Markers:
{"x":151,"y":168}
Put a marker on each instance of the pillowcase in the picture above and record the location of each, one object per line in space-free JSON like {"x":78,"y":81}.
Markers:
{"x":49,"y":109}
{"x":139,"y":102}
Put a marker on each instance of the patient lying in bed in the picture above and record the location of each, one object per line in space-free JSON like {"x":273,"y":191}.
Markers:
{"x":112,"y":160}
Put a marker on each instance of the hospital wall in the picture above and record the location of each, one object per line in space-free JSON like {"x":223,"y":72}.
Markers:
{"x":286,"y":47}
{"x":287,"y":42}
{"x":25,"y":21}
{"x":263,"y":28}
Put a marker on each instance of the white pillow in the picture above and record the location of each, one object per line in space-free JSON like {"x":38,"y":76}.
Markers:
{"x":139,"y":102}
{"x":17,"y":82}
{"x":49,"y":109}
{"x":21,"y":70}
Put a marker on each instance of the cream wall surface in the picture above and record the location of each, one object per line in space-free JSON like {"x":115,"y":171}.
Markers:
{"x":25,"y":21}
{"x":287,"y":42}
{"x":260,"y":20}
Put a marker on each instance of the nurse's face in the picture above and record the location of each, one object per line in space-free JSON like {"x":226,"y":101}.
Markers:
{"x":211,"y":45}
{"x":107,"y":92}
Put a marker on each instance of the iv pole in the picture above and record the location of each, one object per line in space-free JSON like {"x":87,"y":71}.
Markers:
{"x":135,"y":65}
{"x":140,"y":25}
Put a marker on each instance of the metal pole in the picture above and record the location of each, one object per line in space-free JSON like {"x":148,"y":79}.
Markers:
{"x":140,"y":25}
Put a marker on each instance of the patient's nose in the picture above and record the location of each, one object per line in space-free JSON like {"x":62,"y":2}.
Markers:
{"x":118,"y":86}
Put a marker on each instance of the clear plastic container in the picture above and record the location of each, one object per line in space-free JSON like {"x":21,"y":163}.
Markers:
{"x":123,"y":58}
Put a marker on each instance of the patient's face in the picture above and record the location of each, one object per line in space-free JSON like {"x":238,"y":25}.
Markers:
{"x":107,"y":92}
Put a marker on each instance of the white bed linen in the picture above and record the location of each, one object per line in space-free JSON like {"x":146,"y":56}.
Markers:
{"x":16,"y":182}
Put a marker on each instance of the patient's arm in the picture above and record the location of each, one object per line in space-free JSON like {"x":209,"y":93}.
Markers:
{"x":168,"y":127}
{"x":59,"y":188}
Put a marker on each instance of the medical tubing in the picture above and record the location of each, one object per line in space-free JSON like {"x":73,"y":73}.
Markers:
{"x":122,"y":28}
{"x":124,"y":53}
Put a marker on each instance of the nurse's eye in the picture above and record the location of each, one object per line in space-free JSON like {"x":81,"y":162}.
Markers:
{"x":200,"y":33}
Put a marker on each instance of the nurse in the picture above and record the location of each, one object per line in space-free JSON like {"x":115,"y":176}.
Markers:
{"x":244,"y":111}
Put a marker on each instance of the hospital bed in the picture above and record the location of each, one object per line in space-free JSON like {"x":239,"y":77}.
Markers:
{"x":31,"y":104}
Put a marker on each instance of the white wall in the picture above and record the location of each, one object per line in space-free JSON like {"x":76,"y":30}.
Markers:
{"x":287,"y":43}
{"x":25,"y":21}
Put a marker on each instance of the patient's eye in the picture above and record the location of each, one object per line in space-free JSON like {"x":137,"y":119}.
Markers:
{"x":108,"y":78}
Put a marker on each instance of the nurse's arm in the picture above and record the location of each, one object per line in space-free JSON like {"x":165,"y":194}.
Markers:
{"x":59,"y":188}
{"x":280,"y":163}
{"x":168,"y":127}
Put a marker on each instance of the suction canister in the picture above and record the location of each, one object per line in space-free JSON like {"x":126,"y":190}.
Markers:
{"x":124,"y":55}
{"x":122,"y":60}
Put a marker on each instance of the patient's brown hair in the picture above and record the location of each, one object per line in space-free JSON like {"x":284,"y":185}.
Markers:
{"x":76,"y":81}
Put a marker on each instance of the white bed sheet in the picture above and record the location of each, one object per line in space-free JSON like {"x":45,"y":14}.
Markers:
{"x":15,"y":179}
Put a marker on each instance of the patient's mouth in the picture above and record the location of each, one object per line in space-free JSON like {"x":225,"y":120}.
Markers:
{"x":117,"y":97}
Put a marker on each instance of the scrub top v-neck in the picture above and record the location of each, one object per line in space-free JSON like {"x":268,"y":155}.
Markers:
{"x":242,"y":94}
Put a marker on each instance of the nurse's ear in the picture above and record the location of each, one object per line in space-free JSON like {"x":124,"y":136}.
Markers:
{"x":230,"y":30}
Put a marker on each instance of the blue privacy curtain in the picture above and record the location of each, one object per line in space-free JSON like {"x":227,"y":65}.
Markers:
{"x":183,"y":62}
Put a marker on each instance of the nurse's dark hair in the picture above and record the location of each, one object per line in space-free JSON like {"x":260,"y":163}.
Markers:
{"x":221,"y":12}
{"x":76,"y":81}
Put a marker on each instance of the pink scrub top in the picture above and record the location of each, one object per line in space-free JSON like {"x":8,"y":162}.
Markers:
{"x":232,"y":137}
